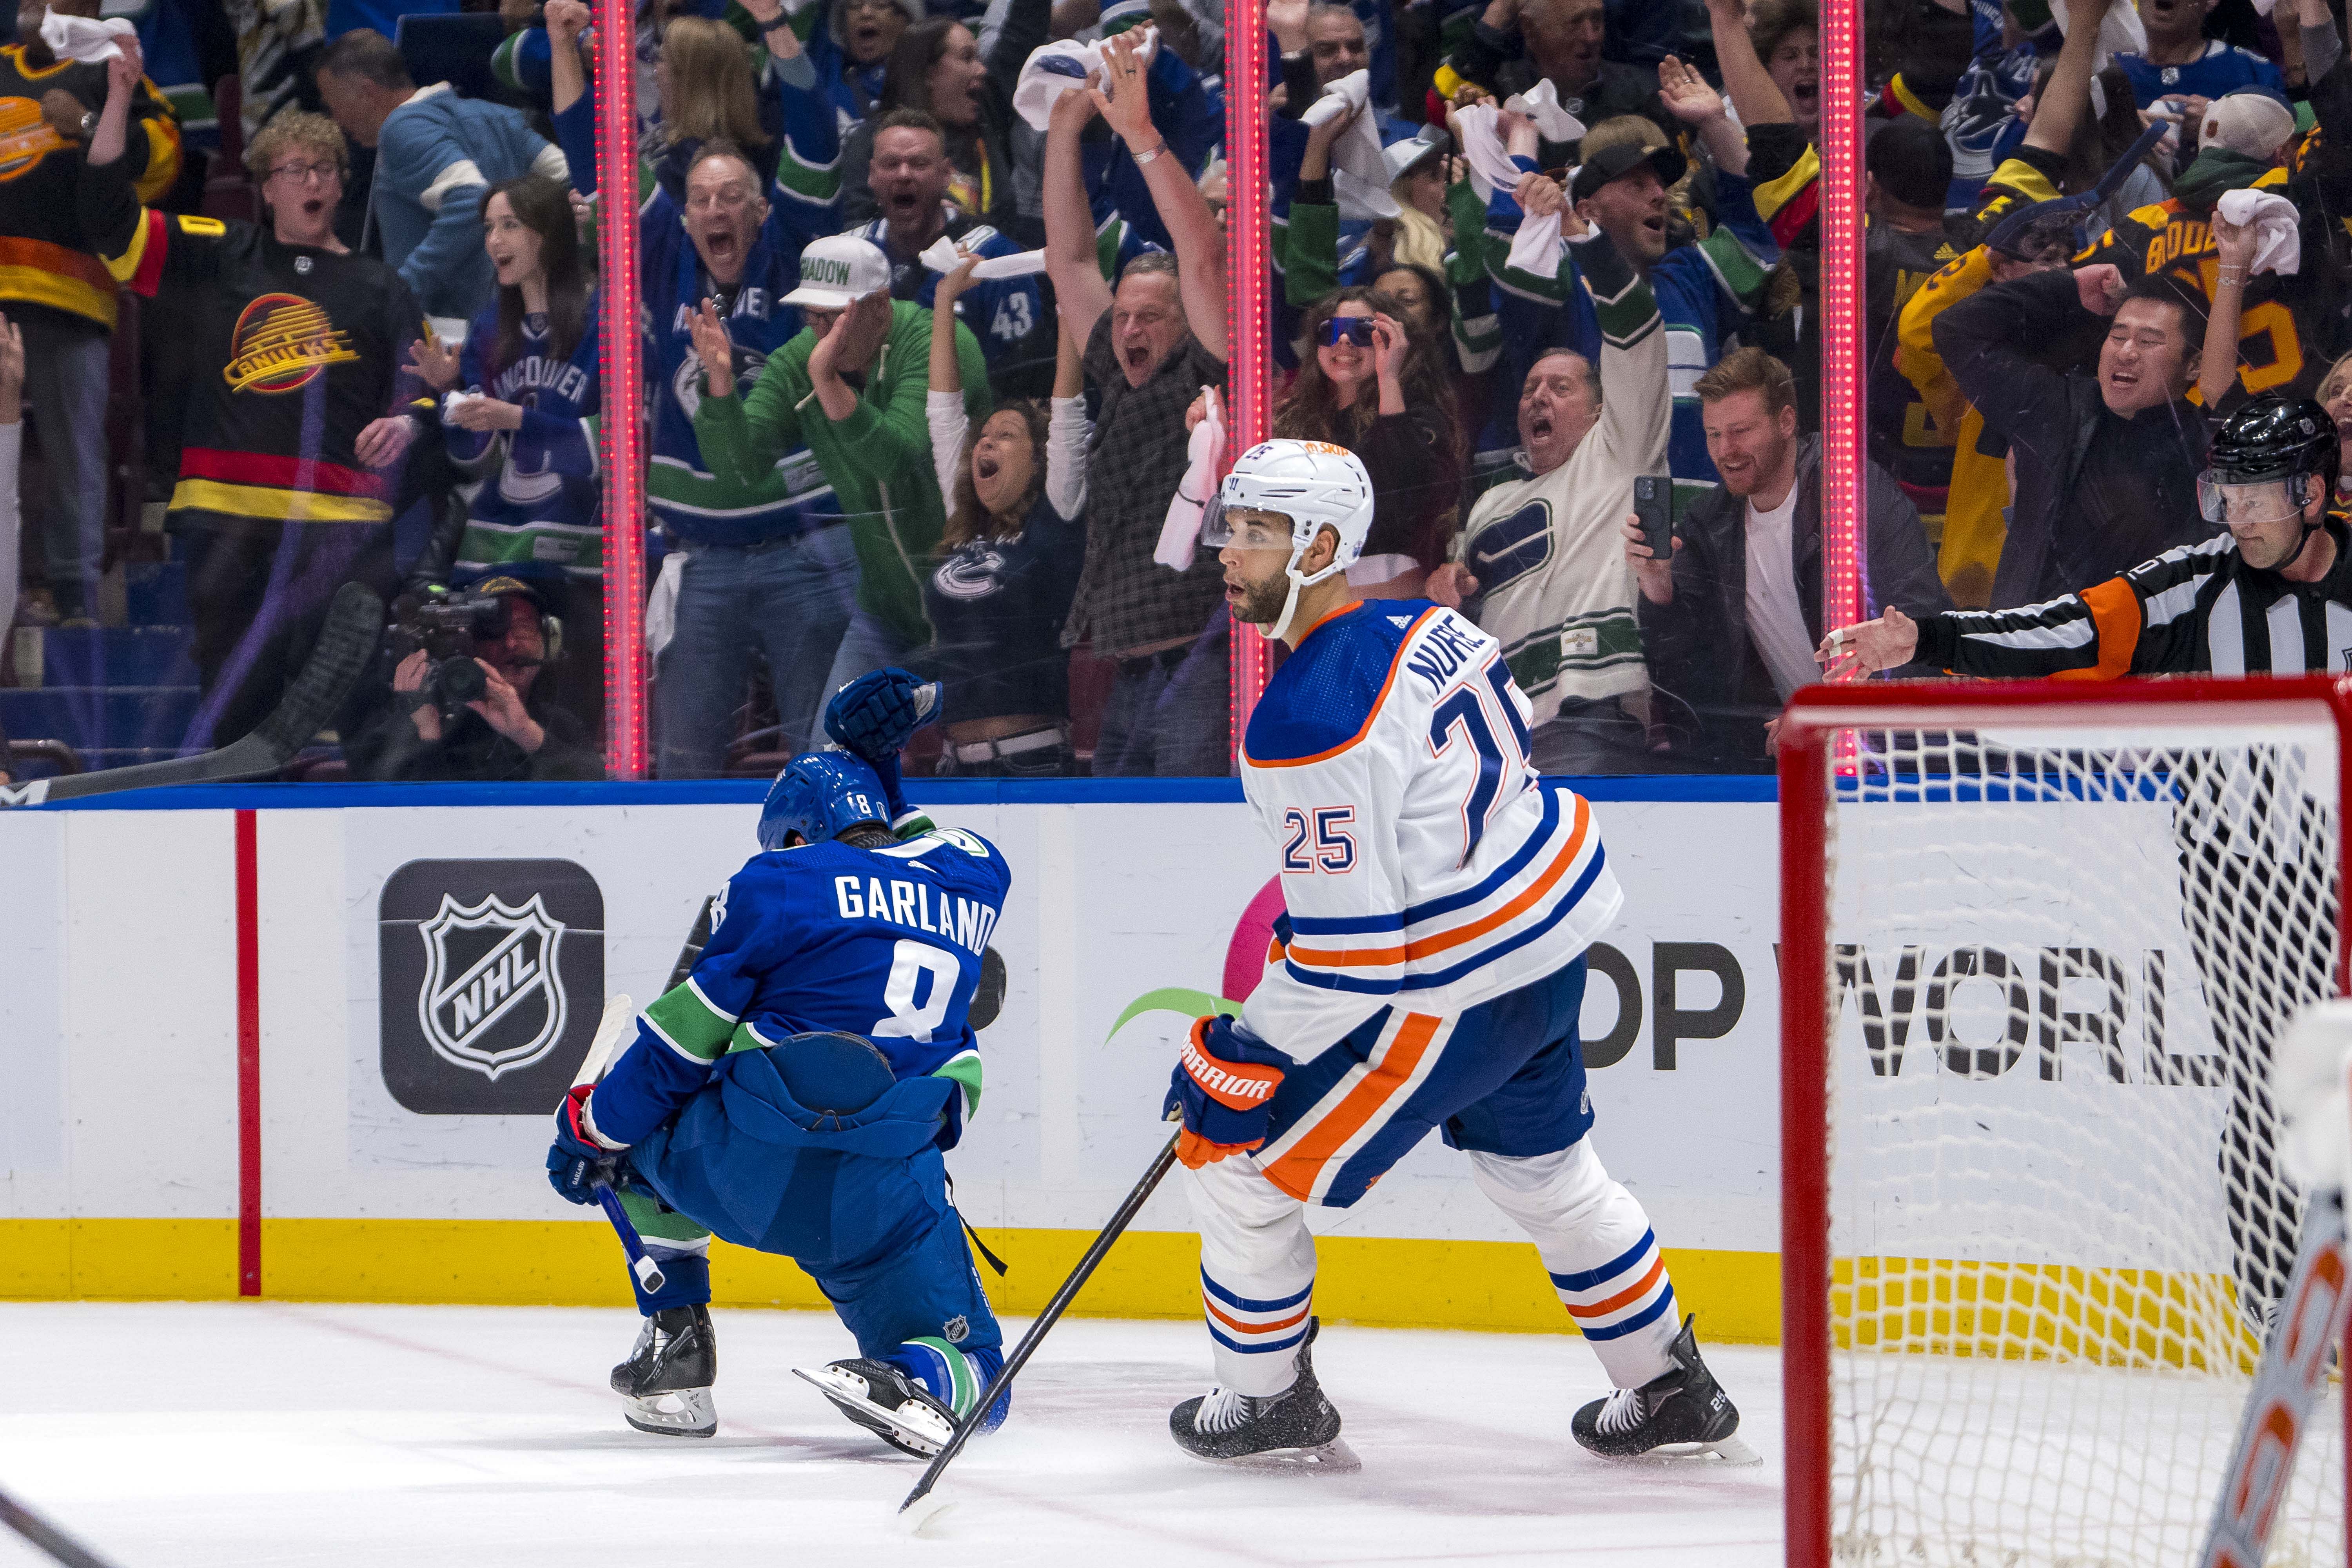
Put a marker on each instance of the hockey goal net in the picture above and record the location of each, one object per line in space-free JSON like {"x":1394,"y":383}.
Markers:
{"x":2038,"y":939}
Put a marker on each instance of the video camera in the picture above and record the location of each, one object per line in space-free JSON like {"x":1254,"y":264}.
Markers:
{"x":446,"y":627}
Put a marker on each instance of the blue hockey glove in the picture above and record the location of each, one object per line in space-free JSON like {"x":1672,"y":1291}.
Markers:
{"x":1223,"y":1085}
{"x":876,"y":714}
{"x":576,"y":1161}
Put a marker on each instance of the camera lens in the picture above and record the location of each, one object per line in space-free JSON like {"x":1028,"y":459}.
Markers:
{"x":461,"y":681}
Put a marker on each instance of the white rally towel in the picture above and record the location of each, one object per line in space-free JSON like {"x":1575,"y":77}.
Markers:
{"x":1491,"y":168}
{"x":661,"y":608}
{"x":1541,"y":104}
{"x":1536,"y":247}
{"x":943,"y":256}
{"x":1360,"y":175}
{"x":80,"y":38}
{"x":1052,"y":70}
{"x":2120,"y":34}
{"x":2279,"y":247}
{"x":1182,"y":532}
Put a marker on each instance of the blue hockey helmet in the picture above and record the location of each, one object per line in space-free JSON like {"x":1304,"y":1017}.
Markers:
{"x":821,"y":795}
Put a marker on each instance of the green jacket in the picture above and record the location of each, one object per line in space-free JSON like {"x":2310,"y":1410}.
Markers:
{"x":878,"y":460}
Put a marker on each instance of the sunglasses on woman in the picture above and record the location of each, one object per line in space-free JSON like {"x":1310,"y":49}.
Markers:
{"x":1356,"y":329}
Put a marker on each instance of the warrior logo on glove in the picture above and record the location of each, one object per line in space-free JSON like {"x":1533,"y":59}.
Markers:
{"x":1224,"y":1086}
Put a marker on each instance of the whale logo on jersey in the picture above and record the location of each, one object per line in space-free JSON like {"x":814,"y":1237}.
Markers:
{"x":490,"y":975}
{"x":283,"y":342}
{"x":491,"y":1001}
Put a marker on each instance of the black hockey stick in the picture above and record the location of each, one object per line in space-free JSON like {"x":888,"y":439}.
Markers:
{"x":920,"y":1508}
{"x":346,"y":642}
{"x":47,"y":1536}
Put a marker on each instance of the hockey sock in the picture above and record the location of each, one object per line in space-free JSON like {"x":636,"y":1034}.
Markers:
{"x":1596,"y":1244}
{"x":954,"y":1377}
{"x":686,"y":1281}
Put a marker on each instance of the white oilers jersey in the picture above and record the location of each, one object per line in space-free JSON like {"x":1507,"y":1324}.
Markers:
{"x":1423,"y":864}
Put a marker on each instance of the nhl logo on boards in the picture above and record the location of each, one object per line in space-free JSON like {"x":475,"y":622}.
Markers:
{"x":492,"y":974}
{"x":505,"y":975}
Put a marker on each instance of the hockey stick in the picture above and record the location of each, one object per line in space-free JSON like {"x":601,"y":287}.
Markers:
{"x":346,"y":642}
{"x":47,"y":1536}
{"x":610,"y":1031}
{"x":2294,"y":1368}
{"x":921,"y":1507}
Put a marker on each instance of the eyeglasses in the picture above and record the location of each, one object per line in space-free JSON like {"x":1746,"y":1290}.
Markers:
{"x":303,"y":174}
{"x":1356,"y":329}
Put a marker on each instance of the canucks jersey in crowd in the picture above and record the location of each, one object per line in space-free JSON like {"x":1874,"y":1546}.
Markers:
{"x":682,"y":491}
{"x":537,"y":499}
{"x":1006,"y":314}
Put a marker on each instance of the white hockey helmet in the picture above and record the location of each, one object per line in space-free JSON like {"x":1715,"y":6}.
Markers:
{"x":1314,"y":484}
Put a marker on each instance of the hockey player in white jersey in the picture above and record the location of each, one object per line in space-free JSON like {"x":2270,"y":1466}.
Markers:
{"x":1427,"y":975}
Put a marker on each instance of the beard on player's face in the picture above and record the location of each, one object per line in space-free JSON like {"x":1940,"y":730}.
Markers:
{"x":1257,"y":584}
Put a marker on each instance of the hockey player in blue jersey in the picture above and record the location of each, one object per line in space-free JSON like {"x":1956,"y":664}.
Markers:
{"x":1426,"y":976}
{"x":795,"y":1095}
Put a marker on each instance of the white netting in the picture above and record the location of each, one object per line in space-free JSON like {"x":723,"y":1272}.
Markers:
{"x":2055,"y":1222}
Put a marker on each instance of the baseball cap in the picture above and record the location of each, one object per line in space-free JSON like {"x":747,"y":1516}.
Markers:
{"x":839,"y":270}
{"x":1408,"y":153}
{"x":2252,"y":122}
{"x":1616,"y":163}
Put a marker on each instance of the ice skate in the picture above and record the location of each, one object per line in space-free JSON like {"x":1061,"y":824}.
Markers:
{"x":1297,"y":1430}
{"x":887,"y":1403}
{"x":1683,"y":1413}
{"x":665,"y":1383}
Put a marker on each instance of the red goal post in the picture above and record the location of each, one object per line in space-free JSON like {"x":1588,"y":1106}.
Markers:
{"x":1991,"y":785}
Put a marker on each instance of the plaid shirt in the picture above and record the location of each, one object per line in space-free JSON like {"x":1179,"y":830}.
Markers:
{"x":1127,"y":600}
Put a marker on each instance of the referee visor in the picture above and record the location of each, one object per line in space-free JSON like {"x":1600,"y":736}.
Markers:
{"x":2223,"y":499}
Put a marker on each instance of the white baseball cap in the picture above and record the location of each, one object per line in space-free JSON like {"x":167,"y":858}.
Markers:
{"x":839,"y":270}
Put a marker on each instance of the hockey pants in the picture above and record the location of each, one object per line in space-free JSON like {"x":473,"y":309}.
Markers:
{"x":1505,"y":1080}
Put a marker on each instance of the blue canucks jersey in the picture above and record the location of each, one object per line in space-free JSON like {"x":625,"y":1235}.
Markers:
{"x":884,"y":944}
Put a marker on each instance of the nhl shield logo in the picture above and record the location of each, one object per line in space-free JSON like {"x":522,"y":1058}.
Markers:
{"x":490,"y":977}
{"x":492,"y":1000}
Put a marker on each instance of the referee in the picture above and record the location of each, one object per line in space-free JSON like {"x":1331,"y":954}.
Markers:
{"x":2272,"y":597}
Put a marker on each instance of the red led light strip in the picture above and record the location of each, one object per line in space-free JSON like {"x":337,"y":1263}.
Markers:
{"x":1247,"y":320}
{"x":624,"y":437}
{"x":1840,"y":331}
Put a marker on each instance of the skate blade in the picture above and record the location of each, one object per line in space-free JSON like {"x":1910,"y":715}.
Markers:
{"x":684,"y":1413}
{"x":1731,"y":1450}
{"x":1331,"y":1458}
{"x":920,"y":1432}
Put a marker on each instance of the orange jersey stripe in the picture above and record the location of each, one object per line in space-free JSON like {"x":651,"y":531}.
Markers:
{"x":1289,"y":1323}
{"x":1394,"y":665}
{"x":1623,"y":1298}
{"x":1296,"y":1172}
{"x":1368,"y":958}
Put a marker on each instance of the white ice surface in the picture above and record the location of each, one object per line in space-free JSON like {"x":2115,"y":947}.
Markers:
{"x":263,"y":1435}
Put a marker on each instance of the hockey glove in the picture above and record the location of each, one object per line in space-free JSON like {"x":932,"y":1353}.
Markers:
{"x":1224,"y":1086}
{"x":576,"y":1161}
{"x":876,"y":714}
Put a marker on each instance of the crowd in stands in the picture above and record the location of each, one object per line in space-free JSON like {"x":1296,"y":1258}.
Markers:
{"x":934,"y":302}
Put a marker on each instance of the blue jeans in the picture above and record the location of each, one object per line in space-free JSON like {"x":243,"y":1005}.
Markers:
{"x":791,"y":597}
{"x":1170,"y":714}
{"x":868,"y":645}
{"x":65,"y":387}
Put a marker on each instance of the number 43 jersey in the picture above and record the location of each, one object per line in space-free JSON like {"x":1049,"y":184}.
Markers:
{"x":1423,"y":864}
{"x":884,"y":944}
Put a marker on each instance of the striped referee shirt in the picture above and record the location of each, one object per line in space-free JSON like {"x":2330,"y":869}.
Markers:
{"x":2198,"y":609}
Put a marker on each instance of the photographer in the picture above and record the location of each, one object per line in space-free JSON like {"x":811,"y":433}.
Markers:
{"x":430,"y":728}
